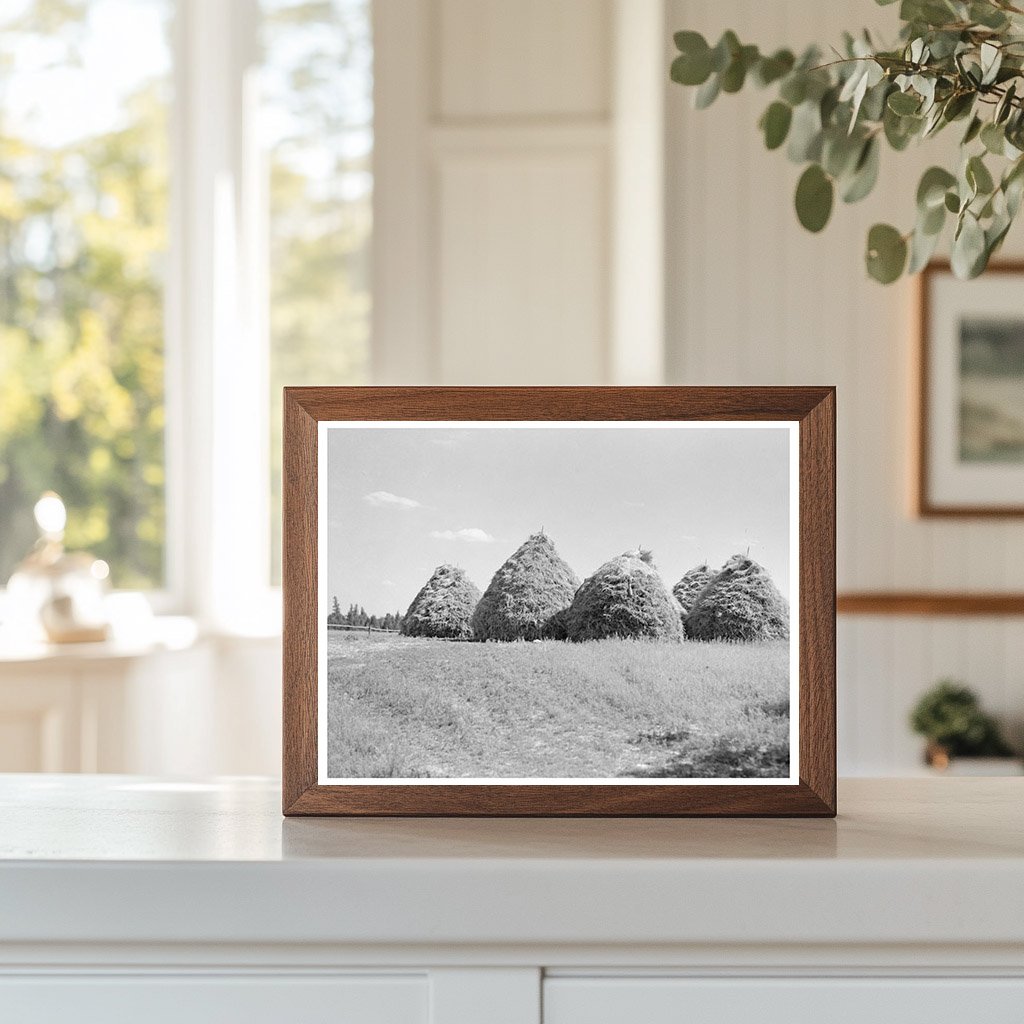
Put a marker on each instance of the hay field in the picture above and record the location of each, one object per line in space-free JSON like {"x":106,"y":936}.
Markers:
{"x":411,"y":707}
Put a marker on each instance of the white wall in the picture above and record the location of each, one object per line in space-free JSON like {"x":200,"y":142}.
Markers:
{"x":504,"y":134}
{"x":754,"y":299}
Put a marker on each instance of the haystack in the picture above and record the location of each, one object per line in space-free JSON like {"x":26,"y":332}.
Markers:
{"x":525,"y":593}
{"x":740,"y":603}
{"x":692,"y":583}
{"x":624,"y":598}
{"x":444,"y":606}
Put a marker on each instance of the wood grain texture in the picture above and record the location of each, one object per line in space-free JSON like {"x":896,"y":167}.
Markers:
{"x":299,"y":596}
{"x":814,"y":408}
{"x":924,"y":603}
{"x":924,"y":505}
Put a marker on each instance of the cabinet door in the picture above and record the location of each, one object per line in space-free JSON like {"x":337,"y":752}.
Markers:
{"x":202,"y":999}
{"x":782,"y":1001}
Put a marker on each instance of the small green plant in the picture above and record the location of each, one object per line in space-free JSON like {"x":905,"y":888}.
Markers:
{"x":956,"y":61}
{"x":950,"y":717}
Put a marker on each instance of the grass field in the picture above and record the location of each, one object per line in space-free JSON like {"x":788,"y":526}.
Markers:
{"x":408,"y":708}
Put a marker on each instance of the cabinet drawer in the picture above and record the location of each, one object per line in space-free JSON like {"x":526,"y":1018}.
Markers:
{"x":782,"y":1001}
{"x":202,"y":999}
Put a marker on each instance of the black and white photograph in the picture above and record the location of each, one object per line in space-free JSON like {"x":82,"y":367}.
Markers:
{"x":556,"y":602}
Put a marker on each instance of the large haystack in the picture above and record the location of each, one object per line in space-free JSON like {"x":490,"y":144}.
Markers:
{"x":740,"y":603}
{"x":624,"y":598}
{"x":444,"y":607}
{"x":692,"y":583}
{"x":525,"y":594}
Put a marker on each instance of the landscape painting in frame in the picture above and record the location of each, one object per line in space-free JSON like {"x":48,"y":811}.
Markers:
{"x":557,"y":602}
{"x":972,"y":393}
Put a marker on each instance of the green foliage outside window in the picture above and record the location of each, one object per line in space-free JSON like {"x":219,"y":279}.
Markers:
{"x":82,"y":234}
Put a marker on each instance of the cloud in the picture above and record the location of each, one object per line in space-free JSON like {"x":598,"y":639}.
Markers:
{"x":635,"y":504}
{"x":471,"y":535}
{"x":385,"y":499}
{"x":389,"y":583}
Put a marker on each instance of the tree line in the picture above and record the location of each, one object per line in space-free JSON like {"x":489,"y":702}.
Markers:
{"x":356,"y":616}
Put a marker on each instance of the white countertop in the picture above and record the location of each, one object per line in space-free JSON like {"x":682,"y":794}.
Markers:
{"x":122,"y":859}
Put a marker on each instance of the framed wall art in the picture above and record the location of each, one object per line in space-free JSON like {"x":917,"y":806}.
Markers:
{"x":970,"y":445}
{"x":559,"y":601}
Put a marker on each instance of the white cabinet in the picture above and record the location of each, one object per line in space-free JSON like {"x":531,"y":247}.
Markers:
{"x":216,"y":1000}
{"x":624,"y":1000}
{"x":133,"y":899}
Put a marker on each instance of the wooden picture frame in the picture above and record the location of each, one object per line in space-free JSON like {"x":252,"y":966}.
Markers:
{"x":812,"y":412}
{"x":934,"y":478}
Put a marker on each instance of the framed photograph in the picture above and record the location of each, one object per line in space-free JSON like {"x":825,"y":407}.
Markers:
{"x":559,"y":601}
{"x":970,"y":451}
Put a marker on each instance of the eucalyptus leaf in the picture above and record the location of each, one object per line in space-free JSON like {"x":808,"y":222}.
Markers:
{"x":931,"y":191}
{"x":922,"y":248}
{"x":873,"y":106}
{"x":987,"y":15}
{"x":814,"y":197}
{"x":958,"y":105}
{"x":978,"y":176}
{"x":775,"y":124}
{"x":973,"y":130}
{"x":1005,"y":105}
{"x":794,"y":88}
{"x":968,"y":248}
{"x":993,"y":138}
{"x":735,"y":74}
{"x":900,"y":130}
{"x":771,"y":69}
{"x":932,"y":221}
{"x":840,"y":152}
{"x":903,"y":103}
{"x":886,"y":253}
{"x":991,"y":61}
{"x":805,"y":133}
{"x":865,"y":173}
{"x":707,"y":93}
{"x":724,"y":51}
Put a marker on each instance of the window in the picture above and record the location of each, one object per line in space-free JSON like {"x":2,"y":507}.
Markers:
{"x":83,"y":235}
{"x":185,"y":222}
{"x":317,"y":88}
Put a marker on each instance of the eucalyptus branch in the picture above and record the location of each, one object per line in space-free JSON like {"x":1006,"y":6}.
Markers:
{"x":954,"y":58}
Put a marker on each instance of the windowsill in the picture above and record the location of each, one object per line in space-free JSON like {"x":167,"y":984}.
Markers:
{"x":161,"y":633}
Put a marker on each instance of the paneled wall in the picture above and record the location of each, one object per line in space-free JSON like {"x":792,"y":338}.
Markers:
{"x":509,"y":140}
{"x":754,"y":299}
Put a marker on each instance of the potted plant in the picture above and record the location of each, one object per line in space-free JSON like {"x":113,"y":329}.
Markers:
{"x":950,"y":718}
{"x":956,"y":62}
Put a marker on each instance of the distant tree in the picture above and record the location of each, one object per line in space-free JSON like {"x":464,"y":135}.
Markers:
{"x":350,"y":617}
{"x":334,"y":618}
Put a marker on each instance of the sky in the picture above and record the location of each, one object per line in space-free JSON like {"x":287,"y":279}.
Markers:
{"x":402,"y":501}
